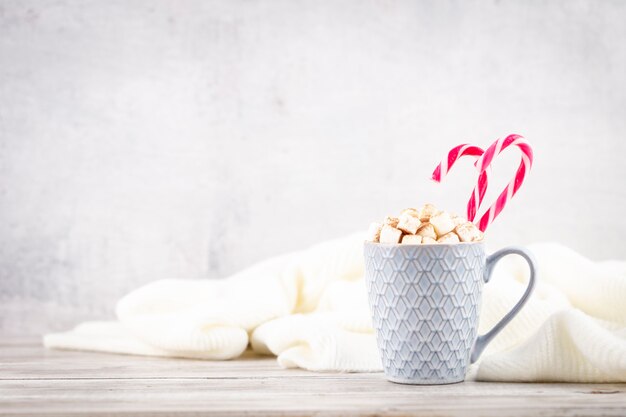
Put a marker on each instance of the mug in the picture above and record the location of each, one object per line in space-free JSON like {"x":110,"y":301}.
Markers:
{"x":425,"y":301}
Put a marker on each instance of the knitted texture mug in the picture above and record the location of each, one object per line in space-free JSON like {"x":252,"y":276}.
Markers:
{"x":425,"y":304}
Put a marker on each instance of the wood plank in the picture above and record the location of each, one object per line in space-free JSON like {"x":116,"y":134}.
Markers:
{"x":20,"y":340}
{"x":36,"y":381}
{"x":277,"y":396}
{"x":38,"y":363}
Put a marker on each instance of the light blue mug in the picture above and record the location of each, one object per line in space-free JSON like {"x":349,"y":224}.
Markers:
{"x":425,"y":302}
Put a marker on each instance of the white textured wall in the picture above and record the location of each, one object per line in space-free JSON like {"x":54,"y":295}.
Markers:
{"x":149,"y":139}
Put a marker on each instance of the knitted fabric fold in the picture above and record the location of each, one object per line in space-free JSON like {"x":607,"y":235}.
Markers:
{"x":309,"y":309}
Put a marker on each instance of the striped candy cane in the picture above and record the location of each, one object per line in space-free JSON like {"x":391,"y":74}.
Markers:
{"x":481,"y":187}
{"x":484,"y":163}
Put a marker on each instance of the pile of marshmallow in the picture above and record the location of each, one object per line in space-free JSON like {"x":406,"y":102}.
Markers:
{"x":427,"y":225}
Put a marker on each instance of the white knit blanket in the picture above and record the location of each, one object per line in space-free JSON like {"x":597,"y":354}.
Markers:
{"x":310,"y":310}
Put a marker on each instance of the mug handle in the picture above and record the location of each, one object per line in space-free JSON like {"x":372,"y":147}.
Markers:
{"x":483,"y":340}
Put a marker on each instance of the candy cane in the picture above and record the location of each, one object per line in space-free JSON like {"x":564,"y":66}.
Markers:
{"x":484,"y":163}
{"x":481,"y":187}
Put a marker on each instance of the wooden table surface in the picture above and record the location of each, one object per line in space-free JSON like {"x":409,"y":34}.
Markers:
{"x":36,"y":381}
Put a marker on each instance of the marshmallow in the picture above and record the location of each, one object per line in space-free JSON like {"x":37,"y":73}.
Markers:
{"x":373,"y":233}
{"x":411,"y":211}
{"x":427,"y":211}
{"x":427,"y":230}
{"x":457,"y":220}
{"x":448,"y":238}
{"x":408,"y":223}
{"x":391,"y":221}
{"x":411,"y":239}
{"x":426,"y":226}
{"x":390,"y":234}
{"x":468,"y":232}
{"x":442,"y":222}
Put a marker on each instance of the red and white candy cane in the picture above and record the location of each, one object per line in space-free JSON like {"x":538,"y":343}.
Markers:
{"x":481,"y":187}
{"x":485,"y":161}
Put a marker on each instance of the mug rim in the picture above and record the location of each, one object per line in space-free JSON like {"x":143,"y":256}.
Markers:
{"x":389,"y":245}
